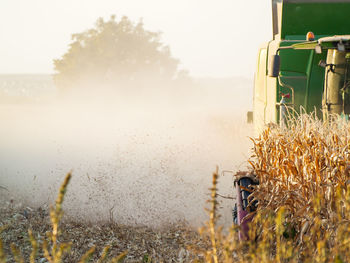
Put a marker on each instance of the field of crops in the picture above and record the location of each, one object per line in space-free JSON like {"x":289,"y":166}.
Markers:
{"x":303,"y":197}
{"x":303,"y":211}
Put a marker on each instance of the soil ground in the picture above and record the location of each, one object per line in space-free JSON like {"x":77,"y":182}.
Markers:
{"x":143,"y":244}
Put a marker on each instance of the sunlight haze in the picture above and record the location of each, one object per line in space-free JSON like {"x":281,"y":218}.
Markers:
{"x":138,"y":133}
{"x":211,"y":39}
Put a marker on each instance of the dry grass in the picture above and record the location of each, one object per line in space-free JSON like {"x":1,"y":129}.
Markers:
{"x":305,"y":169}
{"x":52,"y":250}
{"x":78,"y":240}
{"x":303,"y":197}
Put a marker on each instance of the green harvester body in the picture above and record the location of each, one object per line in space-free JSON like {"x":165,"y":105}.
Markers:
{"x":313,"y":72}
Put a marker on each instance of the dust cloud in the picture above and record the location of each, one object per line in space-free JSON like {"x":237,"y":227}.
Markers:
{"x":140,"y":158}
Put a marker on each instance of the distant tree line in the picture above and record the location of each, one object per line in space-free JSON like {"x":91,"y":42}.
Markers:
{"x":116,"y":52}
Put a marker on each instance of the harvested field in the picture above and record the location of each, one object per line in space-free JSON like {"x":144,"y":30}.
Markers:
{"x":143,"y":244}
{"x":303,"y":211}
{"x":146,"y":168}
{"x":141,"y":171}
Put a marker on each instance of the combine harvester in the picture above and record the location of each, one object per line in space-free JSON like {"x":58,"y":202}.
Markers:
{"x":306,"y":66}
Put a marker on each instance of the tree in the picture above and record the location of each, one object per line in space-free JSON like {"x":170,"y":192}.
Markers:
{"x":114,"y":52}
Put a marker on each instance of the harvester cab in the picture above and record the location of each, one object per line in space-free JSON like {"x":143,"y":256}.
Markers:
{"x":335,"y":97}
{"x":304,"y":68}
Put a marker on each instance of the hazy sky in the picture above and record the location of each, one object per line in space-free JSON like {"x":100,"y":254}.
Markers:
{"x":211,"y":38}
